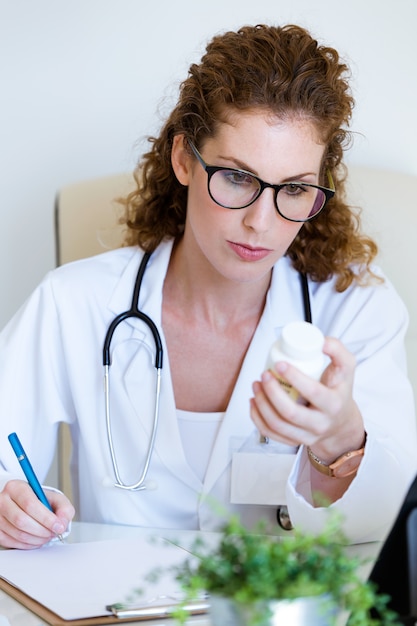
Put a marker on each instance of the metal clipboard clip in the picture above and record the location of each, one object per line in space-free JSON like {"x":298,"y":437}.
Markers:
{"x":160,"y":606}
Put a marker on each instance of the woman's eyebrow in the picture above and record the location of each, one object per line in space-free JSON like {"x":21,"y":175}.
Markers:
{"x":243,"y":166}
{"x":239,"y":164}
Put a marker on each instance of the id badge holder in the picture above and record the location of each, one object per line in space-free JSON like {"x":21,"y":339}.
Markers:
{"x":260,"y":472}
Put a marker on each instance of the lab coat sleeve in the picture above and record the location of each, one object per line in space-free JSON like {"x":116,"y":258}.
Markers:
{"x":33,"y":393}
{"x":375,"y":334}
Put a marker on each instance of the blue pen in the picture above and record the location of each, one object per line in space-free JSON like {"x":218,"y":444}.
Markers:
{"x":28,"y":471}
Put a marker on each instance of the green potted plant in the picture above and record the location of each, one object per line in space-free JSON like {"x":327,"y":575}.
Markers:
{"x":254,"y":579}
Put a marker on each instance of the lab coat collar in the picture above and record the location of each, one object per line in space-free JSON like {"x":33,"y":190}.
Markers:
{"x":152,"y":284}
{"x":284,"y":296}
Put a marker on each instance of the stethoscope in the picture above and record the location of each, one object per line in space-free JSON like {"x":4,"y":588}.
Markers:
{"x":134,"y":312}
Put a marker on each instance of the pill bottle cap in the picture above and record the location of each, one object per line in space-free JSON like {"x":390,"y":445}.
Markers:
{"x":302,"y":340}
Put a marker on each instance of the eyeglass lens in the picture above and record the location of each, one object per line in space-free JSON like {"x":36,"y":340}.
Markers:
{"x":234,"y":189}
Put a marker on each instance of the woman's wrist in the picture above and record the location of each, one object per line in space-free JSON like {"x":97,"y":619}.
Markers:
{"x":345,"y":464}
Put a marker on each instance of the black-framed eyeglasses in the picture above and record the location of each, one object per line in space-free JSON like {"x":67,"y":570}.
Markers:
{"x":238,"y":189}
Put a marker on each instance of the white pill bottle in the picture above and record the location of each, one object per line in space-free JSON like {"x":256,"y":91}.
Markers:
{"x":301,"y":345}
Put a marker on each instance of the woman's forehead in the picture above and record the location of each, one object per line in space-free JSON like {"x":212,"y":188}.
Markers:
{"x":233,"y":122}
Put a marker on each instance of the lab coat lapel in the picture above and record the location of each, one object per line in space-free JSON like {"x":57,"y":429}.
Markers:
{"x":284,"y":303}
{"x":152,"y":284}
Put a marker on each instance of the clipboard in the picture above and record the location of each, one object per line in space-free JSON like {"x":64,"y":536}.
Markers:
{"x":52,"y":618}
{"x":74,"y":584}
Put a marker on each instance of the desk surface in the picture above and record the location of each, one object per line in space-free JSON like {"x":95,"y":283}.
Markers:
{"x":18,"y":615}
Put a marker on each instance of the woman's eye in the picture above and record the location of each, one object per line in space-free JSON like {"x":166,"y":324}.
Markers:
{"x":236,"y":177}
{"x":295,"y":189}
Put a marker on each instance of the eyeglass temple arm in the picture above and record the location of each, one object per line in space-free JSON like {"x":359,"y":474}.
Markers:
{"x":331,"y":181}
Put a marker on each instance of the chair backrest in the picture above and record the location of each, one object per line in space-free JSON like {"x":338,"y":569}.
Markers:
{"x":87,"y":223}
{"x":87,"y":217}
{"x":389,"y":201}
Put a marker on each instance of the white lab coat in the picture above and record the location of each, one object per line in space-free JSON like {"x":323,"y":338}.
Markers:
{"x":51,"y":371}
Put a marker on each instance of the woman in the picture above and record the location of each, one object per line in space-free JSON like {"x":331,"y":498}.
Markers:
{"x":226,"y":252}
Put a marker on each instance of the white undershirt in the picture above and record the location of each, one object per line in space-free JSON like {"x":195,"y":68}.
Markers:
{"x":198,"y":433}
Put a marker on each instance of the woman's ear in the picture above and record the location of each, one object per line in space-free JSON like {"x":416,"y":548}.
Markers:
{"x":181,"y":160}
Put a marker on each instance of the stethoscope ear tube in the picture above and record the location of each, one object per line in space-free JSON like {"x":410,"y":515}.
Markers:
{"x":134,"y":312}
{"x":152,"y":327}
{"x":306,"y":298}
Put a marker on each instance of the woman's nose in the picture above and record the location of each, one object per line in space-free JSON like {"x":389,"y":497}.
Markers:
{"x":260,"y":214}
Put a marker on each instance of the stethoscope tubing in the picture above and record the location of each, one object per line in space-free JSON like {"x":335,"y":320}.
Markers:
{"x":133,"y":312}
{"x":140,"y":484}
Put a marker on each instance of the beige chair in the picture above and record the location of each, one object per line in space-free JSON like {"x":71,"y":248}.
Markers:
{"x":87,"y":223}
{"x":389,"y":201}
{"x":87,"y":216}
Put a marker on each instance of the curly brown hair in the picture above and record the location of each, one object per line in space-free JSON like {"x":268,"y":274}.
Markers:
{"x":282,"y":70}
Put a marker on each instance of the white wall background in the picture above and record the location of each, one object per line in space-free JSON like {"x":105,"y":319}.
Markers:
{"x":83,"y":82}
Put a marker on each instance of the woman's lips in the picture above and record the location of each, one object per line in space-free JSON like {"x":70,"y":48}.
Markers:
{"x":248,"y":253}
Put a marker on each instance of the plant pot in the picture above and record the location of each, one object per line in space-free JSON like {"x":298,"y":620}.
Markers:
{"x":311,"y":611}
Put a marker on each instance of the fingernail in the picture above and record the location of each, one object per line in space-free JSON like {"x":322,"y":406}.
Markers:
{"x":281,"y":367}
{"x":58,"y":529}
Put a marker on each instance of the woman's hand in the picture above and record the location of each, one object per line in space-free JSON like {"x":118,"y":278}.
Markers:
{"x":25,"y":522}
{"x":329,"y":423}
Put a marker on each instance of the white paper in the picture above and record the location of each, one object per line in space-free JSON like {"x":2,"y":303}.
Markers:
{"x":77,"y":581}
